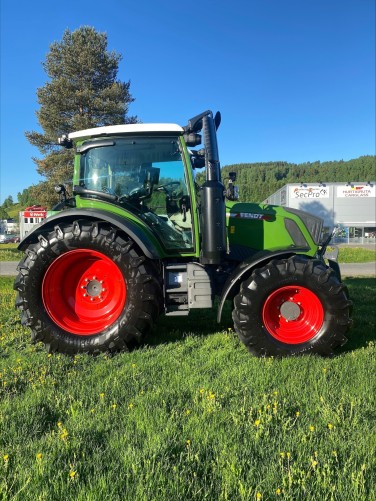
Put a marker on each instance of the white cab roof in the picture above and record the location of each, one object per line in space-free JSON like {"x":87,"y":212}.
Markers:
{"x":112,"y":130}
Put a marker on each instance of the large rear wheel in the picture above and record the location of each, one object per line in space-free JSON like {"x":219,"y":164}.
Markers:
{"x":292,"y":306}
{"x":84,"y":287}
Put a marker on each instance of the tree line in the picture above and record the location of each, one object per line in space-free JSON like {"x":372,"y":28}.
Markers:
{"x":257,"y":181}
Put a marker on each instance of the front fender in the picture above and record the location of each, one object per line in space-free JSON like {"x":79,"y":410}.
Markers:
{"x":245,"y":268}
{"x":147,"y":243}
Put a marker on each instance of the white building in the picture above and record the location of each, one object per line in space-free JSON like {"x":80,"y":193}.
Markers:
{"x":30,"y":217}
{"x":8,"y":226}
{"x":350,"y":206}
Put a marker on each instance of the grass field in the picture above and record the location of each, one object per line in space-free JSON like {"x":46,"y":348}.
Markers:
{"x":9,"y":252}
{"x":191,"y":416}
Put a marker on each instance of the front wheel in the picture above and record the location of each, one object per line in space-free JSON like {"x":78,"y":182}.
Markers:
{"x":85,"y":287}
{"x":292,"y":306}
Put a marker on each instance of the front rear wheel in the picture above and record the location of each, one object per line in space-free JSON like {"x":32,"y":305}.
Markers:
{"x":292,"y":306}
{"x":86,"y":288}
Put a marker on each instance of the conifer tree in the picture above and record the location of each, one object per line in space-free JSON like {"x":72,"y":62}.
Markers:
{"x":82,"y":92}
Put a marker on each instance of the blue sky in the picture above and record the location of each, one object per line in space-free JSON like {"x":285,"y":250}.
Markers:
{"x":293,"y":79}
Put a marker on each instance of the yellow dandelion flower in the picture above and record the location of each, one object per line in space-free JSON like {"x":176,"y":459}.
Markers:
{"x":314,"y":463}
{"x":72,"y":474}
{"x":278,"y":492}
{"x":297,"y":413}
{"x":6,"y":458}
{"x":258,"y":495}
{"x":187,"y":412}
{"x":311,"y":428}
{"x":59,"y":424}
{"x":39,"y":455}
{"x":330,"y":426}
{"x":288,"y":454}
{"x":187,"y":443}
{"x":101,"y":395}
{"x":282,"y":454}
{"x":64,"y":434}
{"x":133,"y":365}
{"x":257,"y":422}
{"x":130,"y":406}
{"x":202,"y":390}
{"x":49,"y":355}
{"x":114,"y":406}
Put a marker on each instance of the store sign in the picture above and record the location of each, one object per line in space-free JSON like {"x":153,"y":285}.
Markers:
{"x":309,"y":192}
{"x":356,"y":191}
{"x":40,"y":213}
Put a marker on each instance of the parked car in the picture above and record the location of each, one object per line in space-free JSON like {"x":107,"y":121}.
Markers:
{"x":6,"y":239}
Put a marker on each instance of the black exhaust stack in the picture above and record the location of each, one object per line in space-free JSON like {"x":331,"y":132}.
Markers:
{"x":213,"y":211}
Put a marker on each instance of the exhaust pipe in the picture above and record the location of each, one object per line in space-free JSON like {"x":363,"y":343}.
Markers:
{"x":213,"y":211}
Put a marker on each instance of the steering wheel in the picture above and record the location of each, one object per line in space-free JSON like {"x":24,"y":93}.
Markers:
{"x":135,"y":194}
{"x":163,"y":187}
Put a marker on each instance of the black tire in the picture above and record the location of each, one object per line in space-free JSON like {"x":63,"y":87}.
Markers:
{"x":290,"y":307}
{"x":70,"y":313}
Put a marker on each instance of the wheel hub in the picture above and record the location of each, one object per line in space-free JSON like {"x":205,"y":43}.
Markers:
{"x":290,"y":311}
{"x":93,"y":288}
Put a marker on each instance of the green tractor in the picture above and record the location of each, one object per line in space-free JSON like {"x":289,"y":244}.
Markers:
{"x":141,"y":237}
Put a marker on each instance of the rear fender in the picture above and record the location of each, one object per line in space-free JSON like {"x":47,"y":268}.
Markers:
{"x":244,"y":270}
{"x":149,"y":246}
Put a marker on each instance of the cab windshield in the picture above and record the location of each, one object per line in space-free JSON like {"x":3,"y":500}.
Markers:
{"x":145,"y":174}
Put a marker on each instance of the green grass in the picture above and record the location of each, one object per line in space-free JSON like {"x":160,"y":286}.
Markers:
{"x":9,"y":252}
{"x":356,"y":255}
{"x":191,"y":416}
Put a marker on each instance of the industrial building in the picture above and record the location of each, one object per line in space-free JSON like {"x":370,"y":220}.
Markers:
{"x":349,"y":206}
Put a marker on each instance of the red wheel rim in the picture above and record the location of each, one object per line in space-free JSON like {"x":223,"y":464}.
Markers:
{"x":293,"y":314}
{"x":84,"y":292}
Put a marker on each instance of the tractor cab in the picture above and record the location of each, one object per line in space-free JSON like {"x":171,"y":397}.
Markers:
{"x":147,"y":177}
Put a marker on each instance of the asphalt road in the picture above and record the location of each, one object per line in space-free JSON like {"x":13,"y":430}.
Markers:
{"x":9,"y":268}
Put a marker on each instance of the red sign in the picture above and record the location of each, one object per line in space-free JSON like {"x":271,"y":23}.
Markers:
{"x":35,"y":211}
{"x":40,"y":213}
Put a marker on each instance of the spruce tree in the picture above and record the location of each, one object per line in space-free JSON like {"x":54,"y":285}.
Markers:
{"x":82,"y":92}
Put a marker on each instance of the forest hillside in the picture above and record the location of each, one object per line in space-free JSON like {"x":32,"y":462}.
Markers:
{"x":257,"y":181}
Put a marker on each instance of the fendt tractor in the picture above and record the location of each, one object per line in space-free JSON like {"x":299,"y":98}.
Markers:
{"x":140,"y":236}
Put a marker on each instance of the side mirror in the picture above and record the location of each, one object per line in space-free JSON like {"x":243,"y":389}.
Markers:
{"x":217,"y":120}
{"x":232,"y":191}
